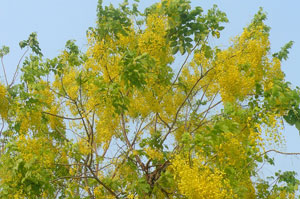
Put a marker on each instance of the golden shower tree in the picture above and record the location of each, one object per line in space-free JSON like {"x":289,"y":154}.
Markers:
{"x":150,"y":110}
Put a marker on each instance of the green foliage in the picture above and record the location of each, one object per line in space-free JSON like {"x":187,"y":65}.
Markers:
{"x":112,"y":21}
{"x":33,"y":69}
{"x":188,"y":25}
{"x":4,"y":51}
{"x":135,"y":69}
{"x":283,"y":53}
{"x":32,"y":43}
{"x":258,"y":20}
{"x":122,"y":121}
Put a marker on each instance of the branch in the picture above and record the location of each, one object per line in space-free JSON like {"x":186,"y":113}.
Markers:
{"x":138,"y":130}
{"x":129,"y":145}
{"x":62,"y":117}
{"x":5,"y":76}
{"x":17,"y":69}
{"x":206,"y":112}
{"x":178,"y":74}
{"x":187,"y":57}
{"x":280,"y":152}
{"x":124,"y":131}
{"x":163,"y":121}
{"x":100,"y":182}
{"x":71,"y":177}
{"x":182,"y":104}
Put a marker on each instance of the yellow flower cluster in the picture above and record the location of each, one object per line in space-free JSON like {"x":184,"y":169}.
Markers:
{"x":38,"y":148}
{"x":272,"y":129}
{"x":30,"y":121}
{"x":154,"y":154}
{"x":232,"y":151}
{"x":236,"y":70}
{"x":70,"y":85}
{"x":153,"y":40}
{"x":55,"y":122}
{"x":3,"y":102}
{"x":105,"y":127}
{"x":46,"y":96}
{"x":195,"y":180}
{"x":84,"y":147}
{"x":242,"y":65}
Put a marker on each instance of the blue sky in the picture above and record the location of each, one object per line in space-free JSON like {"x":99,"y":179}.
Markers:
{"x":57,"y":21}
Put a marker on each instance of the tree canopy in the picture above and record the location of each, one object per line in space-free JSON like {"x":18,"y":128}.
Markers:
{"x":150,"y":110}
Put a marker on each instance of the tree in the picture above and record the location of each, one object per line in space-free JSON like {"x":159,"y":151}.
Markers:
{"x":124,"y":120}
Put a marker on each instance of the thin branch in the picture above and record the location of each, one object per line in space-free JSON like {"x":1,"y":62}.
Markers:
{"x":17,"y":69}
{"x":2,"y":127}
{"x":182,"y":104}
{"x":124,"y":131}
{"x":5,"y":76}
{"x":207,"y":110}
{"x":62,"y":117}
{"x":71,"y":177}
{"x":163,"y":121}
{"x":138,"y":130}
{"x":202,"y":97}
{"x":183,"y":64}
{"x":100,"y":182}
{"x":129,"y":145}
{"x":280,"y":152}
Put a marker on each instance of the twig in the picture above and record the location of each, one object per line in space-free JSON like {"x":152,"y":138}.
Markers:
{"x":100,"y":182}
{"x":4,"y":71}
{"x":62,"y":117}
{"x":17,"y":69}
{"x":280,"y":152}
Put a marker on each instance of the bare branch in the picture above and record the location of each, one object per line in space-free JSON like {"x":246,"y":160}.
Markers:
{"x":3,"y":67}
{"x":17,"y":69}
{"x":62,"y":117}
{"x":100,"y":182}
{"x":280,"y":152}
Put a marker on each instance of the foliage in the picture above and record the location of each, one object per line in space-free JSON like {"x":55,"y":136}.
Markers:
{"x":124,"y":120}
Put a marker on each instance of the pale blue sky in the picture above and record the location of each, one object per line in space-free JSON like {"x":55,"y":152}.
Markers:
{"x":57,"y":21}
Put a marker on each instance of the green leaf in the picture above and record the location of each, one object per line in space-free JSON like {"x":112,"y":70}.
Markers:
{"x":32,"y":43}
{"x":182,"y":49}
{"x":297,"y":124}
{"x":4,"y":51}
{"x":283,"y":53}
{"x":175,"y":50}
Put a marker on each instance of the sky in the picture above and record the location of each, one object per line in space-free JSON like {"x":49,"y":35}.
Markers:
{"x":57,"y":21}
